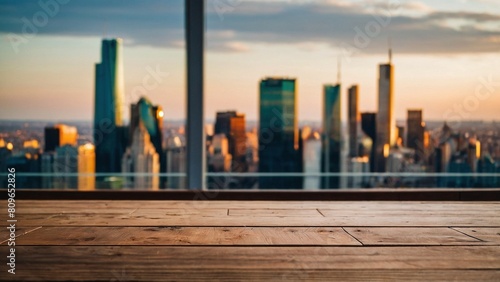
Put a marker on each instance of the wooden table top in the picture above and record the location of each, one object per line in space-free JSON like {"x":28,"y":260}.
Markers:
{"x":83,"y":240}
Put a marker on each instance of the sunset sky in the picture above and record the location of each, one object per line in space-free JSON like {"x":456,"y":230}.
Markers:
{"x":443,"y":53}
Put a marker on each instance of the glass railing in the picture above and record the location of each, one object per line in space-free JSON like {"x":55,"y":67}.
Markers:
{"x":248,"y":181}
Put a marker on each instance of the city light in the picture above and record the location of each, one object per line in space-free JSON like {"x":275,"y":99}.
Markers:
{"x":88,"y":147}
{"x":31,"y":144}
{"x":478,"y":149}
{"x":386,"y":150}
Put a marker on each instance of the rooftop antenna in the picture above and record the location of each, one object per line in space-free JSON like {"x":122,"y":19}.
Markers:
{"x":389,"y":43}
{"x":339,"y":64}
{"x":104,"y":29}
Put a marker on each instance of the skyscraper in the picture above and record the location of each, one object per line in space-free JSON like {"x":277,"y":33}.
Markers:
{"x":280,"y":144}
{"x":232,"y":125}
{"x":331,"y":145}
{"x":353,"y":121}
{"x":369,"y":127}
{"x":86,"y":167}
{"x":141,"y":158}
{"x":59,"y":135}
{"x":109,"y":133}
{"x":386,"y":123}
{"x":143,"y":154}
{"x":55,"y":137}
{"x":26,"y":161}
{"x":152,"y":118}
{"x":109,"y":84}
{"x":219,"y":160}
{"x":400,"y":135}
{"x":175,"y":161}
{"x":416,"y":130}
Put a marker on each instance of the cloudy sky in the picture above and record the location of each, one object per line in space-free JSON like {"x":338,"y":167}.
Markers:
{"x":446,"y":54}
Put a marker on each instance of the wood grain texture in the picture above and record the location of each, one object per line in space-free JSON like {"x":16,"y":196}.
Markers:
{"x":272,"y":212}
{"x":162,"y":236}
{"x":158,"y":219}
{"x":487,"y":235}
{"x":86,"y":263}
{"x":422,"y":211}
{"x":126,"y":273}
{"x":259,"y":240}
{"x":381,"y":236}
{"x":20,"y":231}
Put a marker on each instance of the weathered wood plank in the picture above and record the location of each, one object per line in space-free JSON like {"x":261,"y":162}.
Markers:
{"x":271,"y":212}
{"x":157,"y":241}
{"x":488,"y":235}
{"x":128,"y":273}
{"x":370,"y":236}
{"x":403,"y":212}
{"x":155,"y":262}
{"x":140,"y":218}
{"x":188,"y":236}
{"x":88,"y":209}
{"x":20,"y":231}
{"x":56,"y":209}
{"x":208,"y":212}
{"x":185,"y":213}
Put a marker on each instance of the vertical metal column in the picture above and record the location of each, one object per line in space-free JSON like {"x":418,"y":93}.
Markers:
{"x":195,"y":129}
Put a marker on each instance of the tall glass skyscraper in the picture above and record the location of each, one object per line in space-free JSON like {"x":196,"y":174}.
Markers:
{"x":109,"y":133}
{"x":280,"y":144}
{"x":331,"y":138}
{"x":386,"y":123}
{"x":109,"y":84}
{"x":354,"y":119}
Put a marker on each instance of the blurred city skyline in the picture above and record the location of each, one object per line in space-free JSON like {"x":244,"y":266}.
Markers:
{"x":442,"y":54}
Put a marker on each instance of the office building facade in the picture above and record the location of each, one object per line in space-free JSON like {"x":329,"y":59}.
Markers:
{"x":86,"y":167}
{"x":142,"y":160}
{"x":369,"y":127}
{"x":280,"y":144}
{"x":232,"y":125}
{"x":152,"y":118}
{"x":354,"y":119}
{"x":110,"y":135}
{"x":59,"y":135}
{"x":386,"y":123}
{"x":415,"y":136}
{"x":331,"y":146}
